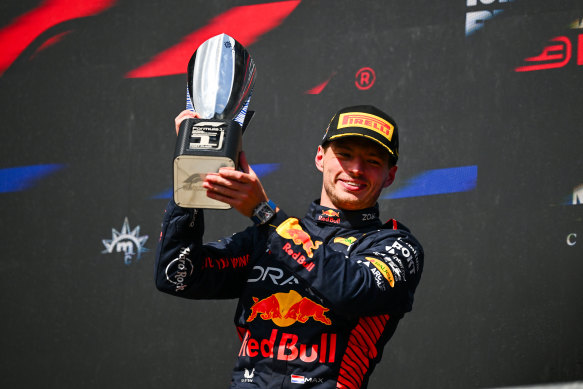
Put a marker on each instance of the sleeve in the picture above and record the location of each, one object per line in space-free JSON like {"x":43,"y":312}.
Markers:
{"x":378,"y":276}
{"x":188,"y":268}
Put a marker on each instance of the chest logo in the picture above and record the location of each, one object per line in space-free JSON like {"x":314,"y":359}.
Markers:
{"x":291,"y":229}
{"x":284,"y":309}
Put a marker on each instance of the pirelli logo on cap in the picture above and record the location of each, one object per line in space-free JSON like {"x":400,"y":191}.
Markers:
{"x":366,"y":120}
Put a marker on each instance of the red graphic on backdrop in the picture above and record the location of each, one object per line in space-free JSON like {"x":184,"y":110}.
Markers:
{"x":365,"y":78}
{"x":555,"y":55}
{"x":50,"y":42}
{"x":245,"y":23}
{"x":17,"y":36}
{"x":320,"y":87}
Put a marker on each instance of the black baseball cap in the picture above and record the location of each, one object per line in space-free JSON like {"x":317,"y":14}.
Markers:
{"x":368,"y":122}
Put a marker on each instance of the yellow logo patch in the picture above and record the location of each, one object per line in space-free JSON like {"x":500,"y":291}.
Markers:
{"x":346,"y":241}
{"x":368,"y":121}
{"x":384,"y":269}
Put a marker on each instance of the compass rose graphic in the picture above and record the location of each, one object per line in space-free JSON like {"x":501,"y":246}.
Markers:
{"x":126,"y":241}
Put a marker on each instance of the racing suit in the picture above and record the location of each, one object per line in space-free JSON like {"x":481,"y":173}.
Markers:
{"x":318,"y":297}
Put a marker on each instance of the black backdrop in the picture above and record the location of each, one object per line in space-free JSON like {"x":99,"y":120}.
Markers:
{"x":491,"y":159}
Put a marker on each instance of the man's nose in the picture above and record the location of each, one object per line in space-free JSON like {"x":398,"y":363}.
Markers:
{"x":356,"y":166}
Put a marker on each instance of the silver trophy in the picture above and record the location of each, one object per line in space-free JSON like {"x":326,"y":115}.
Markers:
{"x":221,"y":75}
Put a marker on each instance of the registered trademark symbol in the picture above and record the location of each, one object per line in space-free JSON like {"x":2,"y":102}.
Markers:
{"x":365,"y":78}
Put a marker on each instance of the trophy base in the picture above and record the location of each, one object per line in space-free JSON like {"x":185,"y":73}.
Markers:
{"x":189,"y":174}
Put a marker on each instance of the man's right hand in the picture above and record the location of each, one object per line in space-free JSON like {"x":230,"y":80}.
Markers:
{"x":186,"y":114}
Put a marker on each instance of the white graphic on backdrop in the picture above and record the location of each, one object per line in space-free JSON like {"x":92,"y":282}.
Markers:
{"x":130,"y":243}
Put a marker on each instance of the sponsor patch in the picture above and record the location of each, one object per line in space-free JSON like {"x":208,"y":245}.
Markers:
{"x":284,"y":346}
{"x":284,"y":309}
{"x":329,"y":216}
{"x":366,"y":120}
{"x":384,"y":269}
{"x":248,"y":375}
{"x":179,"y":269}
{"x":346,"y":241}
{"x":291,"y":229}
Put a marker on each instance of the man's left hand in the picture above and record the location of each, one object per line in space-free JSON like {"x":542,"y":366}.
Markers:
{"x":242,"y":190}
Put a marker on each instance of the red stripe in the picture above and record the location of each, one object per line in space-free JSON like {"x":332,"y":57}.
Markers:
{"x":342,"y":383}
{"x":370,"y":343}
{"x":384,"y":319}
{"x":359,"y":355}
{"x":361,"y":344}
{"x":351,"y":372}
{"x":347,"y":380}
{"x":356,"y":363}
{"x":245,"y":23}
{"x":378,"y":323}
{"x":361,"y":350}
{"x":367,"y":323}
{"x":17,"y":36}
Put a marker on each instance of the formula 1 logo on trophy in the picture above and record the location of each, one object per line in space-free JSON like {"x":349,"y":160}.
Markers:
{"x":221,"y":75}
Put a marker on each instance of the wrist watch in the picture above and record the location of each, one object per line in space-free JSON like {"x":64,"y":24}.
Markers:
{"x":264,"y":212}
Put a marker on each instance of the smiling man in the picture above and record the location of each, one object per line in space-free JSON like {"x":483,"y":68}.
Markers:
{"x":318,"y":297}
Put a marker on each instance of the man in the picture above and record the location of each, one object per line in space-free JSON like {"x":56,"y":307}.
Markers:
{"x":319,"y":296}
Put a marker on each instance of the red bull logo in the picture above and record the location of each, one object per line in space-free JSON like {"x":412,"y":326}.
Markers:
{"x":331,"y":213}
{"x":291,"y":229}
{"x":298,"y":257}
{"x":284,"y":309}
{"x":329,"y":216}
{"x":285,"y":347}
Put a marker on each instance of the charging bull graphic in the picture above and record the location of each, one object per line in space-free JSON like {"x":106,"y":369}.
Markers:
{"x":268,"y":307}
{"x":291,"y":229}
{"x":284,"y":309}
{"x":330,"y":213}
{"x":305,"y":309}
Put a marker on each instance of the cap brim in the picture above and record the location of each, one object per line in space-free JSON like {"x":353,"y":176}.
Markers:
{"x":345,"y":134}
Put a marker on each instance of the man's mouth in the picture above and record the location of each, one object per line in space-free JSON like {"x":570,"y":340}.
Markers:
{"x":352,"y":185}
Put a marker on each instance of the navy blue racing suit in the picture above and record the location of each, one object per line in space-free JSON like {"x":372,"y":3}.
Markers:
{"x":319,"y":297}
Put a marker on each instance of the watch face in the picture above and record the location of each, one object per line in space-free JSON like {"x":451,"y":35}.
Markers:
{"x":264,"y":213}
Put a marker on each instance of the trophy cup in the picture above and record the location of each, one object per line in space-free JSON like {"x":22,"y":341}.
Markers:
{"x":221,"y":75}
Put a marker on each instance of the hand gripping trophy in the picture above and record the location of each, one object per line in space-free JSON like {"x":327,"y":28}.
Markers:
{"x":221,"y":75}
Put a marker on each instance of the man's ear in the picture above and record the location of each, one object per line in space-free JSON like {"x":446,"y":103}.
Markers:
{"x":391,"y":176}
{"x":319,"y":158}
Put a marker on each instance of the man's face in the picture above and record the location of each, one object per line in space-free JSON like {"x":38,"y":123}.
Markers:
{"x":354,"y":171}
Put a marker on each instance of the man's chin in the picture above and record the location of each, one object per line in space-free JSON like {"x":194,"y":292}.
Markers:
{"x":350,"y":203}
